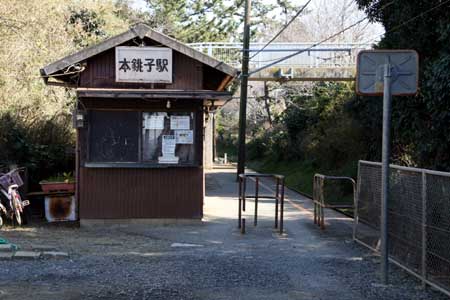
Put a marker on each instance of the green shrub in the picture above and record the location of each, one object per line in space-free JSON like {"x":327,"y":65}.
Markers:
{"x":45,"y":146}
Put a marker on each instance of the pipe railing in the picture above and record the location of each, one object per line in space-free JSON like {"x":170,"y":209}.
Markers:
{"x":320,"y":202}
{"x":279,"y":199}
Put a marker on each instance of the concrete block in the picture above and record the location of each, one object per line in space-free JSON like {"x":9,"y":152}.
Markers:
{"x":27,"y":255}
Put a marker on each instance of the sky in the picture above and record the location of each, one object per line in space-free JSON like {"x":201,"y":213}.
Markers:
{"x":374,"y":30}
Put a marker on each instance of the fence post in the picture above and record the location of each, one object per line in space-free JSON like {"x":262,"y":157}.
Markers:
{"x":255,"y":222}
{"x":282,"y":206}
{"x":210,"y":50}
{"x":240,"y":202}
{"x":244,"y":187}
{"x":315,"y":198}
{"x":355,"y":208}
{"x":322,"y":201}
{"x":276,"y":202}
{"x":424,"y":229}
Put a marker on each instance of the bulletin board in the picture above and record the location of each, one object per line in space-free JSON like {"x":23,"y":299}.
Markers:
{"x":147,"y":137}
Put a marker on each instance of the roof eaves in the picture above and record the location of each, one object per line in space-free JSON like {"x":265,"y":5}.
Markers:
{"x":89,"y":52}
{"x":191,"y":52}
{"x":139,"y":30}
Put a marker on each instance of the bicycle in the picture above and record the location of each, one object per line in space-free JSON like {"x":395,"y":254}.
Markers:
{"x":9,"y":187}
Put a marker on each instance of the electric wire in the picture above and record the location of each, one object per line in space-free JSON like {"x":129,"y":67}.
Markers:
{"x":306,"y":49}
{"x":282,"y":29}
{"x":275,"y":61}
{"x":395,"y":28}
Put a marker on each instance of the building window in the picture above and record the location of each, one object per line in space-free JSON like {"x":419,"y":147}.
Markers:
{"x":149,"y":138}
{"x":113,"y":136}
{"x":168,"y":137}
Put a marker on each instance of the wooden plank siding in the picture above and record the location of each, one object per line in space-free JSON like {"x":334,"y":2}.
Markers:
{"x":100,"y":72}
{"x":161,"y":192}
{"x":138,"y":189}
{"x":141,"y":193}
{"x":123,"y":193}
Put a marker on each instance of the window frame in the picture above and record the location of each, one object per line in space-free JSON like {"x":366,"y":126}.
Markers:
{"x":141,"y":163}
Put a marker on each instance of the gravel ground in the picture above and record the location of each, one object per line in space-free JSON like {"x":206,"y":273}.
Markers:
{"x":140,"y":262}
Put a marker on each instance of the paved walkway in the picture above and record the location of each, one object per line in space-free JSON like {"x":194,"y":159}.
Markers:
{"x":211,"y":260}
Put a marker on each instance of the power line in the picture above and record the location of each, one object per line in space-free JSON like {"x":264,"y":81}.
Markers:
{"x":345,"y":29}
{"x":306,"y":49}
{"x":367,"y":41}
{"x":395,"y":28}
{"x":282,"y":29}
{"x":318,"y":43}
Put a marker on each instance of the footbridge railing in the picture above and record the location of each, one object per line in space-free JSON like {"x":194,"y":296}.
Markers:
{"x":329,"y":60}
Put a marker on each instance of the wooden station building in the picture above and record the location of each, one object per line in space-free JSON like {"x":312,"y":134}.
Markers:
{"x":143,"y":104}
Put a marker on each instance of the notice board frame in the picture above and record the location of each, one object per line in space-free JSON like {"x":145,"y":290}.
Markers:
{"x":87,"y":161}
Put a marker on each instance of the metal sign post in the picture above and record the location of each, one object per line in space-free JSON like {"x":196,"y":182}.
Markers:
{"x":385,"y":154}
{"x":387,"y":73}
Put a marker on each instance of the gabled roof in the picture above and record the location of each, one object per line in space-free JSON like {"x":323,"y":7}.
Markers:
{"x":139,"y":30}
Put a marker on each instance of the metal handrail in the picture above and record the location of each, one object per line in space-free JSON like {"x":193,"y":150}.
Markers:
{"x":320,"y":203}
{"x":279,"y":199}
{"x":327,"y":54}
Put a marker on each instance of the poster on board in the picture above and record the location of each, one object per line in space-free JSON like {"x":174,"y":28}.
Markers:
{"x":180,"y":122}
{"x":184,"y":136}
{"x":154,"y":122}
{"x":168,"y":145}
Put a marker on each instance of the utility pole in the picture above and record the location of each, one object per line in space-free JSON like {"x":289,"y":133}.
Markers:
{"x":244,"y":87}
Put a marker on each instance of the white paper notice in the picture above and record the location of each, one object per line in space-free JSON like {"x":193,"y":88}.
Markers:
{"x":184,"y":136}
{"x":154,"y":122}
{"x":168,"y":145}
{"x":180,"y":122}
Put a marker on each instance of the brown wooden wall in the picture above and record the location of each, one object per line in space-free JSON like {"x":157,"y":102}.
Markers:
{"x":168,"y":192}
{"x":141,"y":193}
{"x":121,"y":193}
{"x":187,"y":73}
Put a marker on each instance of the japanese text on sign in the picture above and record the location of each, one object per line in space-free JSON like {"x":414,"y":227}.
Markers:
{"x":179,"y":122}
{"x":184,"y":136}
{"x":144,"y":64}
{"x":168,"y":145}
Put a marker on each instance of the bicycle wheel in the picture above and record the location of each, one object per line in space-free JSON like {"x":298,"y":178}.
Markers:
{"x":17,"y":207}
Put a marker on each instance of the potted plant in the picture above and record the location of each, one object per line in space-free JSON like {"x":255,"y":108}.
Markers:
{"x":61,"y":182}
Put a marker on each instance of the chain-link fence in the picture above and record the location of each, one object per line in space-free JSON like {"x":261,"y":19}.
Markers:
{"x":418,"y":219}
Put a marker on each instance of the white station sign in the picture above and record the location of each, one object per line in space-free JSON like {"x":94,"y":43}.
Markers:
{"x":144,"y":64}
